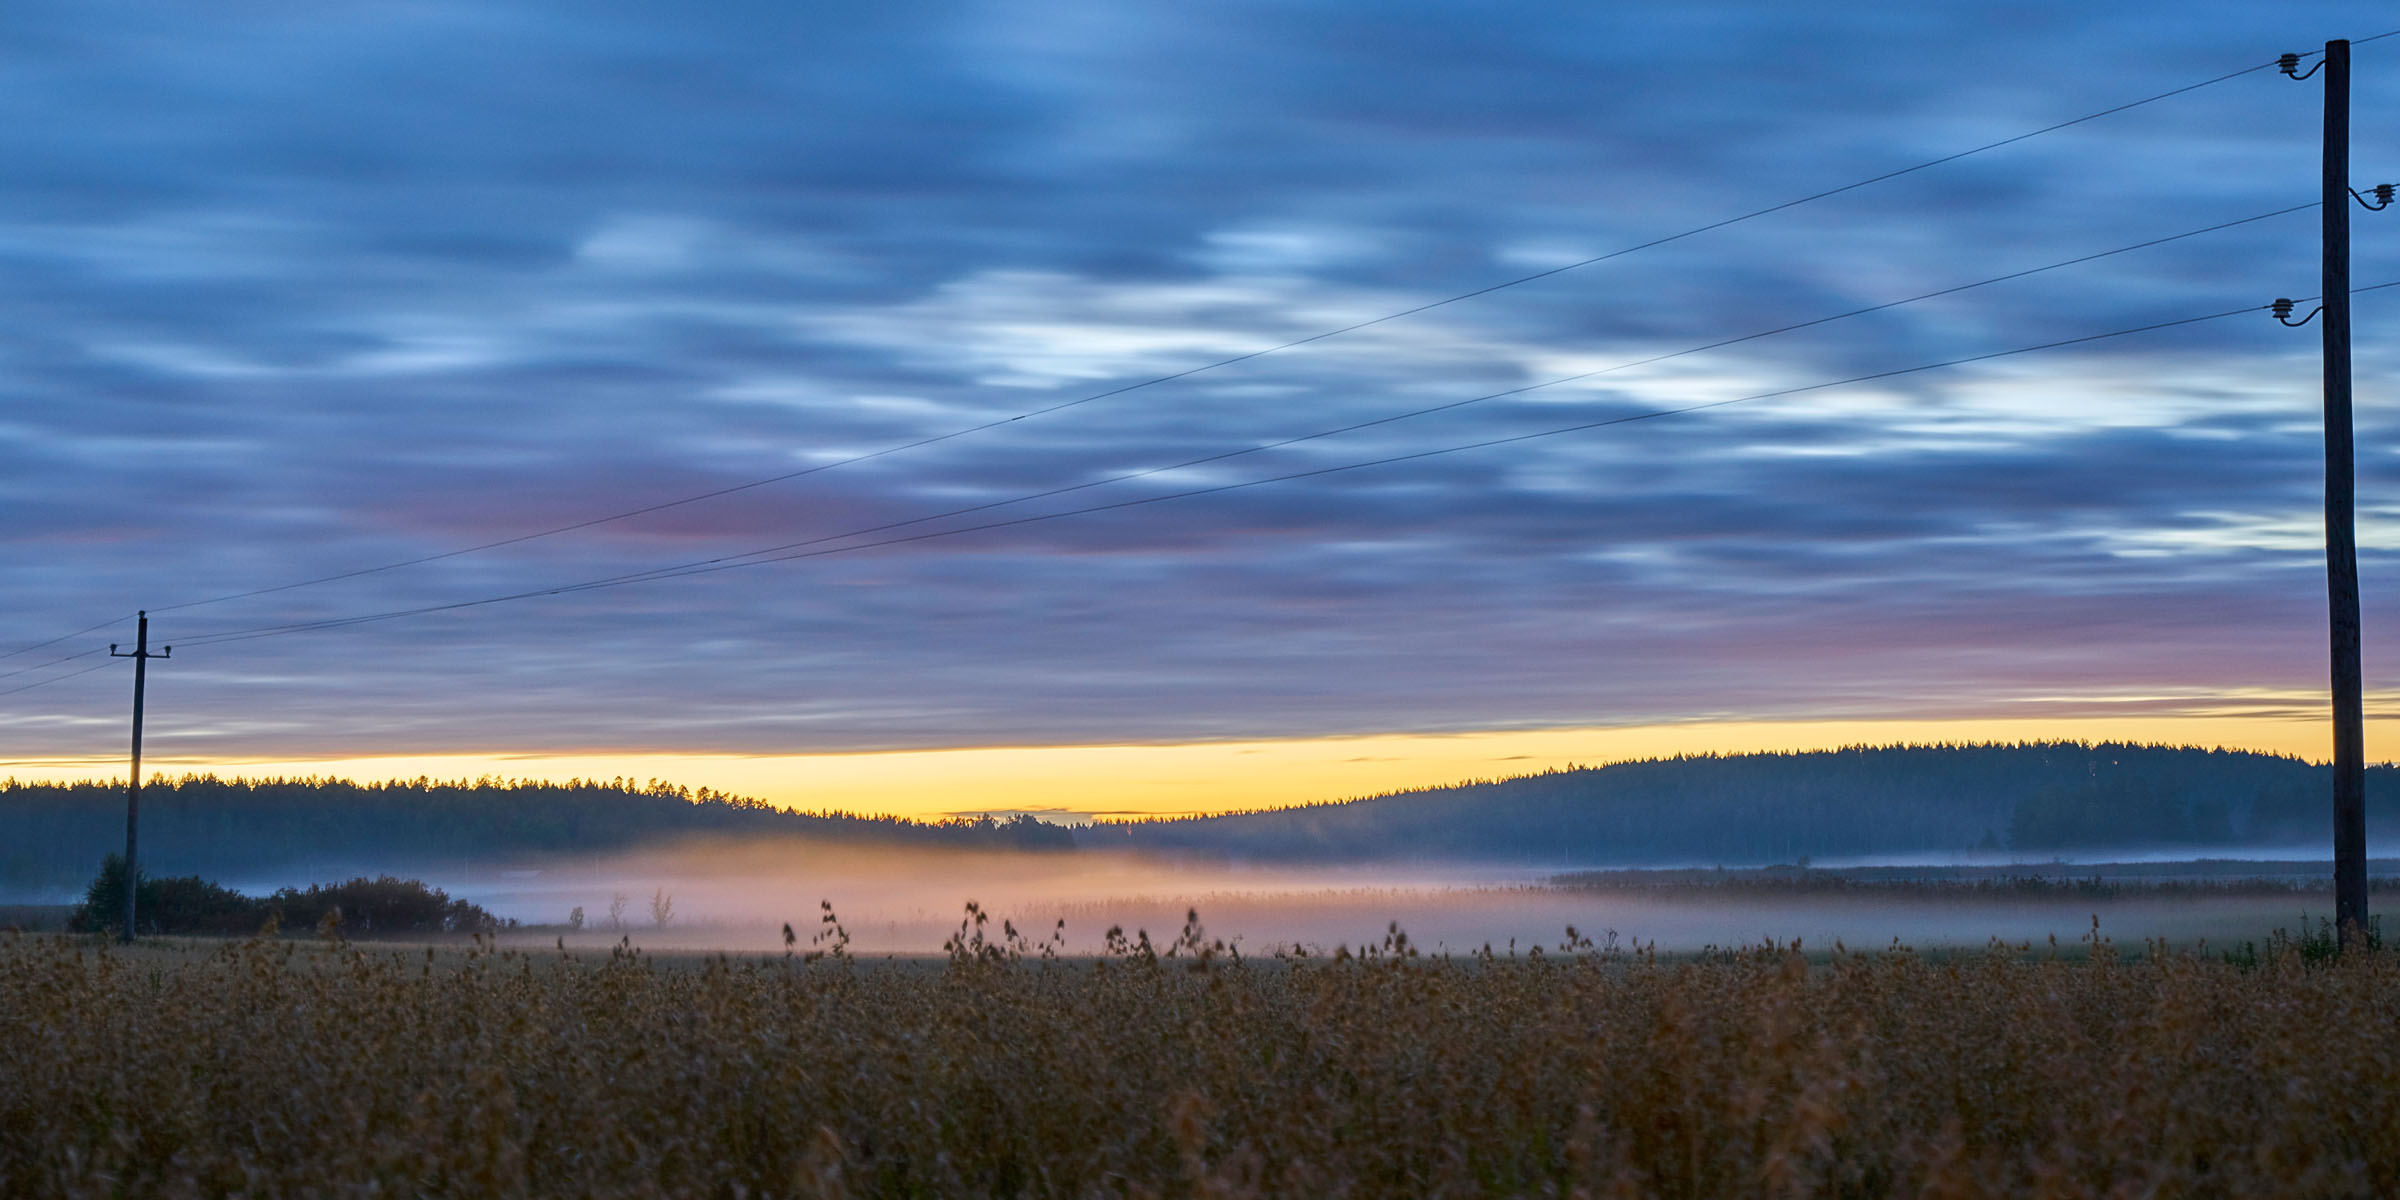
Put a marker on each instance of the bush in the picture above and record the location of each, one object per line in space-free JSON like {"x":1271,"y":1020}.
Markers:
{"x":176,"y":904}
{"x":189,"y":904}
{"x":384,"y":905}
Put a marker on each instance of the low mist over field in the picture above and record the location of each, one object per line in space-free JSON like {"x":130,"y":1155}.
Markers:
{"x":736,"y":896}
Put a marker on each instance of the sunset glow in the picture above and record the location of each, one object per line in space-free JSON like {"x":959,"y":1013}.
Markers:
{"x":1077,"y":783}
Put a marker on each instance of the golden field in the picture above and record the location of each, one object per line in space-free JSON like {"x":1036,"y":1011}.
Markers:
{"x":267,"y":1068}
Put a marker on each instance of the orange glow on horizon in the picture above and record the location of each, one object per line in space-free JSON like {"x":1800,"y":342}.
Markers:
{"x":1076,"y":782}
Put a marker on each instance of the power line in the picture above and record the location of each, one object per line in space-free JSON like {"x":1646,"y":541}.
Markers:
{"x":1237,"y":359}
{"x":1452,"y":405}
{"x":713,"y":566}
{"x":1456,"y":404}
{"x":55,"y":661}
{"x":56,"y":678}
{"x":1186,"y":373}
{"x":60,"y":638}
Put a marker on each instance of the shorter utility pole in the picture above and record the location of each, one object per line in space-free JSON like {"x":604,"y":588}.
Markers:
{"x":141,"y":657}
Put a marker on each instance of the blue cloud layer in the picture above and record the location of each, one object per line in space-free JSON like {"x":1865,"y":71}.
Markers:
{"x":294,"y":291}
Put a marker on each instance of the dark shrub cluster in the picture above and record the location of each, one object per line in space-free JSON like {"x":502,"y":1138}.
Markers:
{"x":188,"y":904}
{"x":382,"y":906}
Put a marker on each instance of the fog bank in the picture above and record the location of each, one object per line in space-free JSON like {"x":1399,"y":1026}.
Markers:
{"x":738,"y":896}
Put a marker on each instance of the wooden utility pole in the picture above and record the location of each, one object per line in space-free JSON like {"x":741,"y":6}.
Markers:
{"x":141,"y":657}
{"x":2341,"y":538}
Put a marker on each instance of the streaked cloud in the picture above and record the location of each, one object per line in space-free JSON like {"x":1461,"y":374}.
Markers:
{"x":294,"y":292}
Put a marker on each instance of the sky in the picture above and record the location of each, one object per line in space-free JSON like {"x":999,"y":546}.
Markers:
{"x":290,"y":292}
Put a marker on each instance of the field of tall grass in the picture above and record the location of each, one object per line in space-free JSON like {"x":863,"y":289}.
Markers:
{"x":1180,"y":1068}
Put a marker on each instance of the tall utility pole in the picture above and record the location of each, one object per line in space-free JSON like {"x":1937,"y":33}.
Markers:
{"x":2341,"y":539}
{"x":141,"y":657}
{"x":2341,"y":536}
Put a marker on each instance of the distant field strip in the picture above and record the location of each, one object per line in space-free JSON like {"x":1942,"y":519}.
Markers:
{"x":274,"y":1068}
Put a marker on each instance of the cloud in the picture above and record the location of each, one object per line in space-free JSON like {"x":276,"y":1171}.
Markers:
{"x":296,"y":293}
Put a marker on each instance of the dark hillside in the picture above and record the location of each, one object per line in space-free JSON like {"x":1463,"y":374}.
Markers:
{"x":230,"y":829}
{"x":1759,"y":808}
{"x":2034,"y":800}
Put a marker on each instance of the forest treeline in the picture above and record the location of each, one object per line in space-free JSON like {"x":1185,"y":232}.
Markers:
{"x":238,"y":828}
{"x":2030,"y":799}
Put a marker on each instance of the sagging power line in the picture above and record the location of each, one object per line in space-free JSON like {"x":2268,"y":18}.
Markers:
{"x":64,"y":658}
{"x":753,"y":559}
{"x":1232,"y":360}
{"x":94,"y":628}
{"x":1448,"y":406}
{"x":99,"y":666}
{"x":1454,"y":405}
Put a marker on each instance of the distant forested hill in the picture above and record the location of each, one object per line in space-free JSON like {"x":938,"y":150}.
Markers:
{"x":2034,"y":799}
{"x":56,"y":835}
{"x":1756,"y":808}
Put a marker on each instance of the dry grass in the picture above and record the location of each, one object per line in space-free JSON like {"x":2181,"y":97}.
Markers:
{"x":273,"y":1068}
